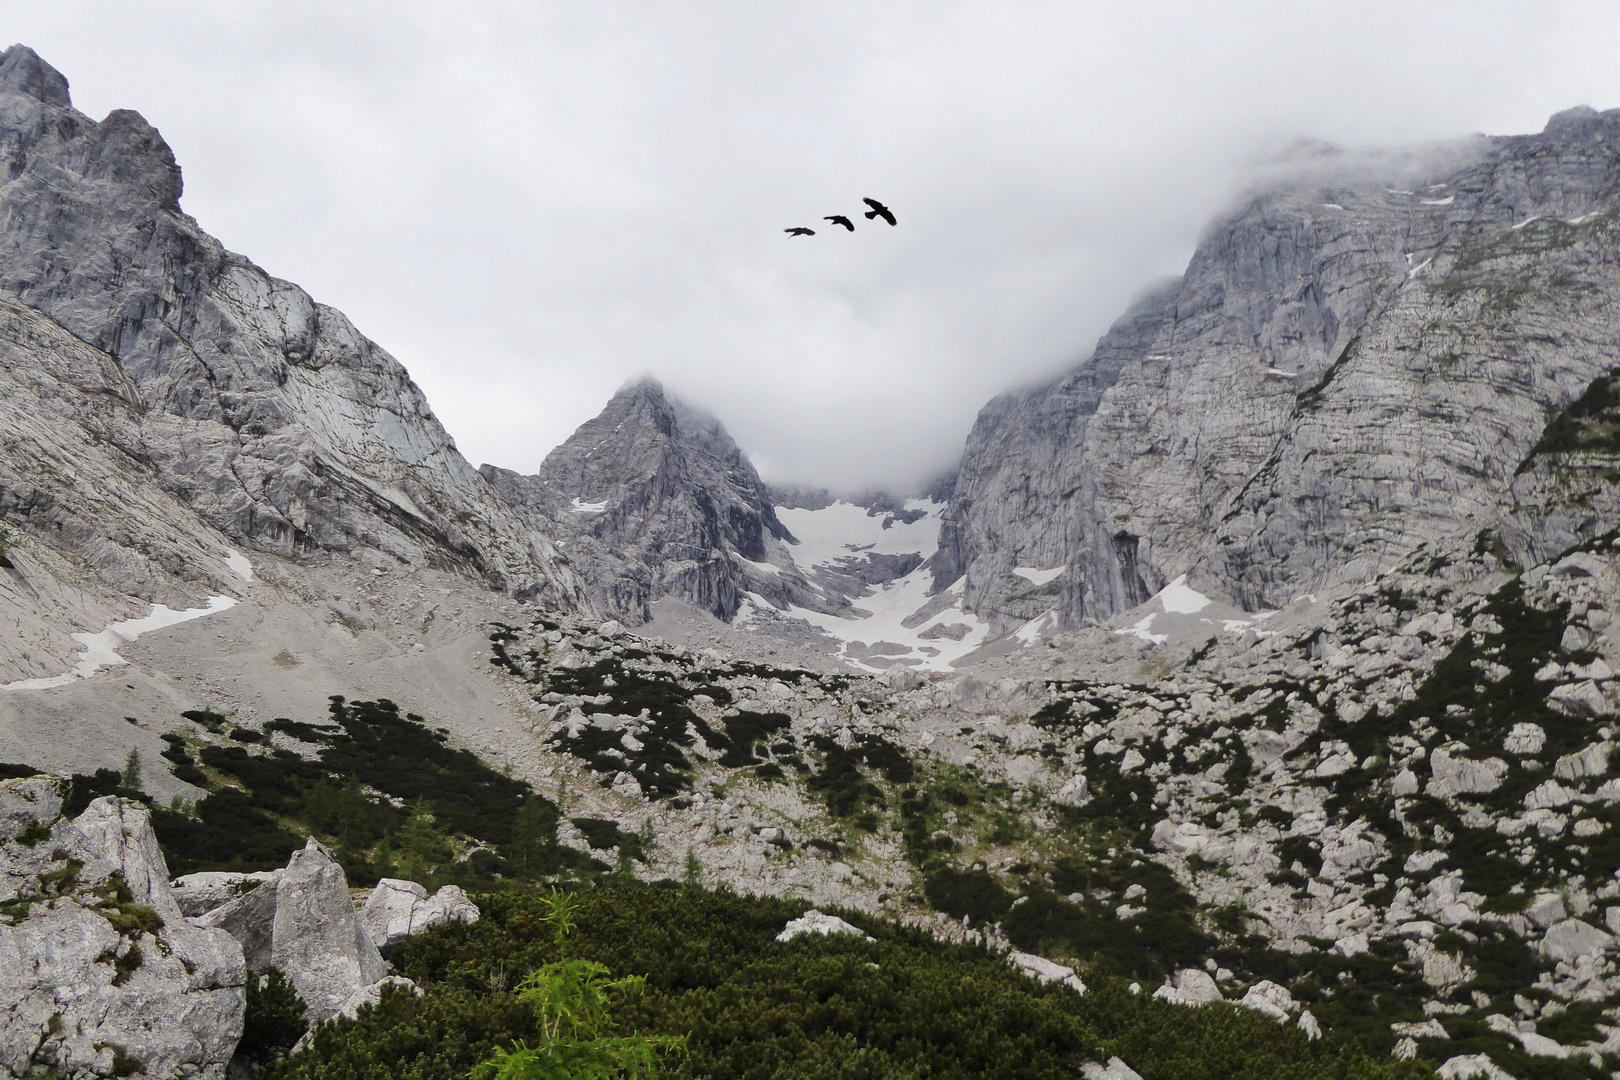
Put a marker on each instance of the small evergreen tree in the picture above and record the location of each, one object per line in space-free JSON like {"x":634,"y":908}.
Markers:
{"x":572,"y":1001}
{"x":131,"y":779}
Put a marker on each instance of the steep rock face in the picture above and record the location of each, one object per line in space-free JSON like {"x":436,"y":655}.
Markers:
{"x":267,"y":414}
{"x":652,"y":498}
{"x":1348,"y":367}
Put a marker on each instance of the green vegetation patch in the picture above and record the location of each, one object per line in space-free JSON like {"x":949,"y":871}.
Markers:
{"x":902,"y":1006}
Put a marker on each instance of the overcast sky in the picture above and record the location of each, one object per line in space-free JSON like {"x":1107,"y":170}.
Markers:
{"x":529,"y":203}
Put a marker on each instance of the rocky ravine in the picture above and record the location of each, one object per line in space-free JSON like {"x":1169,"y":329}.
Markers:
{"x":1355,"y":361}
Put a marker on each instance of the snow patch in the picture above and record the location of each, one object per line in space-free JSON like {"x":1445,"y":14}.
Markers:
{"x":1144,"y":629}
{"x":1284,"y":374}
{"x":239,"y":564}
{"x":589,"y":508}
{"x":764,"y":567}
{"x":1447,"y":201}
{"x":1179,"y":598}
{"x":101,"y":649}
{"x":1528,"y":220}
{"x":1037,"y":577}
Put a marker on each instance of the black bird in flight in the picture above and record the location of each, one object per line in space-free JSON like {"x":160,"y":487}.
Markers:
{"x":878,"y":211}
{"x":800,"y":231}
{"x":840,"y":219}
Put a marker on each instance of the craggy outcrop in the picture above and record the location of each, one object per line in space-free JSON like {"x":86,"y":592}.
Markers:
{"x":202,"y":383}
{"x":1356,"y":361}
{"x":100,"y":972}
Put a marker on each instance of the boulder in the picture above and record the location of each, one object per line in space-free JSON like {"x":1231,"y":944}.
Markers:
{"x":1573,"y":938}
{"x":103,"y":975}
{"x":1472,"y":1067}
{"x":1463,"y":776}
{"x":198,"y":894}
{"x":1114,"y":1070}
{"x":1043,"y":970}
{"x":814,"y":922}
{"x":1592,"y":761}
{"x":397,"y":909}
{"x":1271,"y":999}
{"x":316,"y":939}
{"x":1192,"y":986}
{"x":1582,"y":699}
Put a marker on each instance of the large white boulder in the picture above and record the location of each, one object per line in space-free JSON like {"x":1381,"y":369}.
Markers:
{"x":316,"y":939}
{"x":1192,"y":986}
{"x":1572,"y":938}
{"x":815,"y":922}
{"x":1271,"y":999}
{"x":397,"y":909}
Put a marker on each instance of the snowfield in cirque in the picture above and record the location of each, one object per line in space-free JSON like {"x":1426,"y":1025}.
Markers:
{"x":842,"y":535}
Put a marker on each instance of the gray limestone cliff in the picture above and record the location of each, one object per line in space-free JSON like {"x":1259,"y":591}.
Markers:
{"x":1356,"y":360}
{"x":138,"y":353}
{"x":652,"y":498}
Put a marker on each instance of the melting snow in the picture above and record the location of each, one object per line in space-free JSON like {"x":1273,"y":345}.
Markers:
{"x":1037,"y":577}
{"x":1447,"y":201}
{"x":1179,"y":598}
{"x":589,"y":508}
{"x":843,"y":531}
{"x":1037,"y":627}
{"x":239,"y":563}
{"x":1144,"y":630}
{"x":1333,"y":206}
{"x":1284,"y":374}
{"x":1528,"y":220}
{"x":764,"y":567}
{"x":101,"y":649}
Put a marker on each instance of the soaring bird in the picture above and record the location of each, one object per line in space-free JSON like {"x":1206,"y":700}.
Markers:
{"x":840,"y":219}
{"x":878,"y":211}
{"x":801,"y":231}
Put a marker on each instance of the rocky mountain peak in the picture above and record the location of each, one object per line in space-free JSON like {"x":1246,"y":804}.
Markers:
{"x":652,"y":497}
{"x":1351,"y":365}
{"x":22,"y":71}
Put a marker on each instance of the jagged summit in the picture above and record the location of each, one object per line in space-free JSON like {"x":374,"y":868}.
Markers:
{"x":23,"y":71}
{"x":653,"y":498}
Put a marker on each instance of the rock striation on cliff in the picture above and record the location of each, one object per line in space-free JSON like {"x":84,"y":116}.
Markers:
{"x":144,"y":354}
{"x":652,"y":498}
{"x":1356,"y":361}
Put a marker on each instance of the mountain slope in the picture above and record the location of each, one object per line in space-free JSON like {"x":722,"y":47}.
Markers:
{"x":1354,"y":362}
{"x":268,"y":415}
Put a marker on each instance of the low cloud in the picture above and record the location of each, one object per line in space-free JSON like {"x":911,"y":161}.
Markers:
{"x":529,"y":203}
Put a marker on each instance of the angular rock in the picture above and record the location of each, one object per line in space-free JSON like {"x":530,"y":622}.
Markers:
{"x":1192,"y":986}
{"x":166,"y":993}
{"x":397,"y":909}
{"x":1114,"y":1070}
{"x":316,"y":939}
{"x":1573,"y":938}
{"x":1043,"y":970}
{"x":815,"y":922}
{"x":1271,"y":999}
